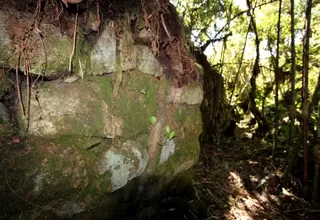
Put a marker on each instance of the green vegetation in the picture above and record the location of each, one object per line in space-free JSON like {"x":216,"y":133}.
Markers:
{"x":223,"y":31}
{"x":152,"y":120}
{"x":268,"y":58}
{"x":169,"y":133}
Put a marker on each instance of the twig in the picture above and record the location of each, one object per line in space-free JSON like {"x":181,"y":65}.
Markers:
{"x":81,"y":70}
{"x":38,"y":10}
{"x":59,"y":13}
{"x":38,"y":32}
{"x":74,"y":41}
{"x":313,"y":210}
{"x":98,"y":21}
{"x":26,"y":69}
{"x":17,"y":85}
{"x":34,"y":82}
{"x":165,"y":27}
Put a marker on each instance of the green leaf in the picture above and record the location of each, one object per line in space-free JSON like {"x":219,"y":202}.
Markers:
{"x":171,"y":135}
{"x":168,"y":130}
{"x":143,"y":91}
{"x":153,"y":120}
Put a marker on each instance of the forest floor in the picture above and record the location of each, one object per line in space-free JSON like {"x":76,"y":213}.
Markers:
{"x":236,"y":180}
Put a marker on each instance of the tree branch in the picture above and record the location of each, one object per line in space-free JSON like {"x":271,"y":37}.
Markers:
{"x":204,"y":47}
{"x":215,"y":39}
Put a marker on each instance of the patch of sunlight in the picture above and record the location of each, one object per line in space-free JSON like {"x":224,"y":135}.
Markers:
{"x":238,"y":214}
{"x":263,"y":197}
{"x":275,"y":200}
{"x":286,"y":119}
{"x":289,"y":194}
{"x":252,"y":162}
{"x":254,"y":179}
{"x":235,"y":181}
{"x":242,"y":4}
{"x":246,"y":119}
{"x":248,"y":135}
{"x":242,"y":204}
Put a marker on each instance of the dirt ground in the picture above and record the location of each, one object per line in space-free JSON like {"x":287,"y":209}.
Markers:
{"x":235,"y":180}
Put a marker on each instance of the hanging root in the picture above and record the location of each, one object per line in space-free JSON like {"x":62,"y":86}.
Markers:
{"x":74,"y":42}
{"x":18,"y":87}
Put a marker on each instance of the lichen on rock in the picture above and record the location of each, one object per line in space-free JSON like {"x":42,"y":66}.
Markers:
{"x":124,"y":163}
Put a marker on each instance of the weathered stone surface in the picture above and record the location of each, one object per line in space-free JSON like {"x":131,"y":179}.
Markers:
{"x":80,"y":142}
{"x":124,"y":163}
{"x":63,"y":109}
{"x":4,"y":117}
{"x":77,"y":137}
{"x":51,"y":54}
{"x":4,"y":40}
{"x":103,"y":55}
{"x":147,"y":63}
{"x":136,"y":102}
{"x":67,"y":209}
{"x":128,"y":52}
{"x":4,"y":83}
{"x":5,"y":128}
{"x":191,"y":95}
{"x":167,"y":150}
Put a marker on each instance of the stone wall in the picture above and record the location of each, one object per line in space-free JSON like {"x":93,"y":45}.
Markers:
{"x":88,"y":130}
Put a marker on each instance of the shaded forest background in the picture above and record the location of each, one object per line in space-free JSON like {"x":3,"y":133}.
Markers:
{"x":263,"y":63}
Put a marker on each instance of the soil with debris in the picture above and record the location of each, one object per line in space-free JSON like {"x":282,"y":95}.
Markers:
{"x":236,"y":180}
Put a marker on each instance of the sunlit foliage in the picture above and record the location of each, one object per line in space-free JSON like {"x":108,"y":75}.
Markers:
{"x":207,"y":20}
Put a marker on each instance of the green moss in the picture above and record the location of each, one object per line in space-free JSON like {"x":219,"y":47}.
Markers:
{"x":5,"y":84}
{"x":187,"y":126}
{"x":6,"y":59}
{"x":67,"y":172}
{"x":178,"y":163}
{"x":193,"y":121}
{"x":87,"y":117}
{"x":56,"y":59}
{"x":136,"y":103}
{"x":166,"y":170}
{"x":6,"y":130}
{"x":82,"y":55}
{"x":180,"y":115}
{"x":192,"y":131}
{"x":104,"y":87}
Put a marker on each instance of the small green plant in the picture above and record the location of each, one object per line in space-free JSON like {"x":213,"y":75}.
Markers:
{"x":169,"y":133}
{"x":152,"y":120}
{"x":143,"y":92}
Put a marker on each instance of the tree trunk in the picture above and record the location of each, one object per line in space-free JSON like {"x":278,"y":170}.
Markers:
{"x":315,"y":96}
{"x":256,"y":70}
{"x":293,"y":150}
{"x":277,"y":72}
{"x":213,"y":105}
{"x":305,"y":72}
